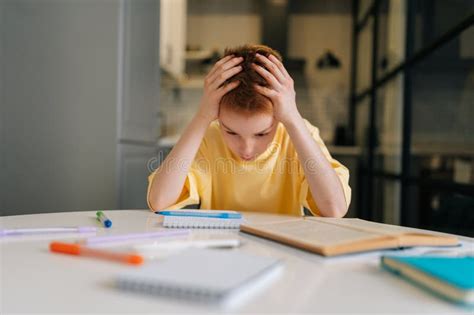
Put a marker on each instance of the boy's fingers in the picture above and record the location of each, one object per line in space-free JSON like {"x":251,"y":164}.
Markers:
{"x":228,"y":87}
{"x":224,"y":67}
{"x":269,"y":77}
{"x":221,"y":77}
{"x":218,"y":63}
{"x":265,"y":91}
{"x":224,"y":59}
{"x":272,"y":67}
{"x":279,"y":65}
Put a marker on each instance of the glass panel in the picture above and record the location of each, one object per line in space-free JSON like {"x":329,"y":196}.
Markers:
{"x":389,"y":126}
{"x":387,"y":200}
{"x":386,"y":203}
{"x":362,"y":122}
{"x":435,"y":17}
{"x":364,"y":58}
{"x":361,"y":141}
{"x":445,"y":211}
{"x":442,"y":111}
{"x":364,"y":6}
{"x":391,"y":43}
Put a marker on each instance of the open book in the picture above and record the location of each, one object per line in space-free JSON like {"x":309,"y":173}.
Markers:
{"x":334,"y":236}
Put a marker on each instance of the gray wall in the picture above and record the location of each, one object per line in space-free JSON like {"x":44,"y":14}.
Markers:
{"x":58,"y":89}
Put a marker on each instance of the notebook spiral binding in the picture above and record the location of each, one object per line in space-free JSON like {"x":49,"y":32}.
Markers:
{"x":195,"y":294}
{"x":201,"y":223}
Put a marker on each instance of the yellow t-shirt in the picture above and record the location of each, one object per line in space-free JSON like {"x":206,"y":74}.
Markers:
{"x":274,"y":182}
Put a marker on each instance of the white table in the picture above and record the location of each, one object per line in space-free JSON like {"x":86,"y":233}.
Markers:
{"x":33,"y":280}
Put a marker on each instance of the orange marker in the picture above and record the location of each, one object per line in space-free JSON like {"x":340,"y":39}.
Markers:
{"x":76,"y":249}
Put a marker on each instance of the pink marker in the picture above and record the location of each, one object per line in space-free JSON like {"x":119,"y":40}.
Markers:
{"x":50,"y":230}
{"x":132,"y":237}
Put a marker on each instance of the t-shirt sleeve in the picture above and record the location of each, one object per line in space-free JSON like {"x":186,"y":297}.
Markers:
{"x":197,"y":182}
{"x":342,"y":173}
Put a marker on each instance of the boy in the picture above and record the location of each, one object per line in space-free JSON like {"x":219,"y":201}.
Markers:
{"x":249,"y":149}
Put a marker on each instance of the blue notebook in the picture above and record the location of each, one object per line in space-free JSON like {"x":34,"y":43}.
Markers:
{"x":190,"y":218}
{"x":449,"y":277}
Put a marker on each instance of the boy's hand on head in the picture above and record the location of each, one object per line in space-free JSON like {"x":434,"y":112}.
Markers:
{"x":224,"y":69}
{"x":281,"y":89}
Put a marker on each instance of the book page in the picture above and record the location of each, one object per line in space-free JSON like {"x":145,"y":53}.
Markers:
{"x":363,"y":225}
{"x":316,"y":233}
{"x":267,"y":218}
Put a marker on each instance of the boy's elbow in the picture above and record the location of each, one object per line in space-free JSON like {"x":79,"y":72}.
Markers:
{"x":337,"y":211}
{"x":151,"y":205}
{"x":340,"y":213}
{"x":339,"y":207}
{"x":158,"y":204}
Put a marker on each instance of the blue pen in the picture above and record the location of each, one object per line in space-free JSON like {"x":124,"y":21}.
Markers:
{"x":217,"y":215}
{"x":103,"y":219}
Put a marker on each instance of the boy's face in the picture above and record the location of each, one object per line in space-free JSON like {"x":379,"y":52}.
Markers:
{"x":247,"y":136}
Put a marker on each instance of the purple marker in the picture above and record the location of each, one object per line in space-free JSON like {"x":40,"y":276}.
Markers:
{"x":132,"y":237}
{"x":34,"y":231}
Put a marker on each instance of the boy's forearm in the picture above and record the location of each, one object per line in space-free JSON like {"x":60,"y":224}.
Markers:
{"x":324,"y":184}
{"x":171,"y":175}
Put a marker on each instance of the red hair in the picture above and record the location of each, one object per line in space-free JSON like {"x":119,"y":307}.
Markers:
{"x":244,"y":98}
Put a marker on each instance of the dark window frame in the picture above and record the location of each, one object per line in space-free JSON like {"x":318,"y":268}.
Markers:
{"x":367,"y":174}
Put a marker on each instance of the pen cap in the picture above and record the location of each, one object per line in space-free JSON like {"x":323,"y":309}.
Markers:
{"x":65,"y":248}
{"x":134,"y":259}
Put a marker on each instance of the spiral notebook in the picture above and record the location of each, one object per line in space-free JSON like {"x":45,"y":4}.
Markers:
{"x":223,"y":277}
{"x":190,"y":218}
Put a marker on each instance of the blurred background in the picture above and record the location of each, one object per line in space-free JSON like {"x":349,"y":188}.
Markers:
{"x":94,"y":92}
